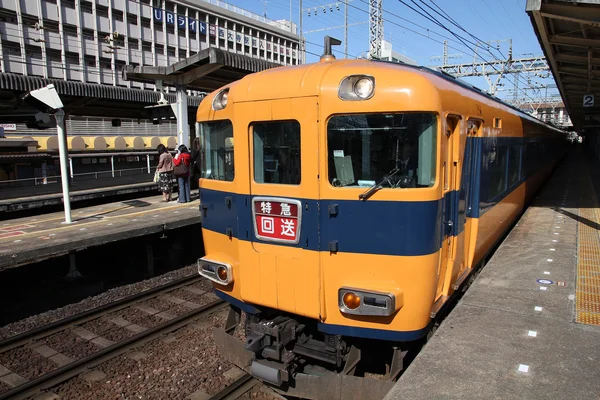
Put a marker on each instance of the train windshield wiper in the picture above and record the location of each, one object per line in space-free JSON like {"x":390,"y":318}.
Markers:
{"x":386,"y":178}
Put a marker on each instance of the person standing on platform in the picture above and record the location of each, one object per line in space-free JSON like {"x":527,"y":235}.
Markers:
{"x":182,"y":172}
{"x":165,"y":170}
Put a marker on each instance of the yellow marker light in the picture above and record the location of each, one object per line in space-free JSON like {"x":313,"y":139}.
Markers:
{"x":222,"y":273}
{"x":351,"y":300}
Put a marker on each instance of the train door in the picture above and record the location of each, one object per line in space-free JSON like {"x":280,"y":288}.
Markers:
{"x":452,"y":248}
{"x":469,"y":196}
{"x":284,"y":193}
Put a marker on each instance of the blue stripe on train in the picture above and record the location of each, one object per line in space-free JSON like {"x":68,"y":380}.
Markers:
{"x":370,"y":227}
{"x":368,"y":333}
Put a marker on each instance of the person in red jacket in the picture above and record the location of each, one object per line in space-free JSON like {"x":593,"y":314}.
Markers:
{"x":182,"y":172}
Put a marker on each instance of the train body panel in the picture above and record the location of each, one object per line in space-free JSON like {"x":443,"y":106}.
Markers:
{"x":328,"y":216}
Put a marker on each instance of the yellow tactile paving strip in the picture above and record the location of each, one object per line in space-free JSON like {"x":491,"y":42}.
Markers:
{"x":85,"y":224}
{"x":587,"y":304}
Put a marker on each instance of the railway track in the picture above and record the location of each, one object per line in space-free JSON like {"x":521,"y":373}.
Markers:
{"x":109,"y":349}
{"x":236,"y":389}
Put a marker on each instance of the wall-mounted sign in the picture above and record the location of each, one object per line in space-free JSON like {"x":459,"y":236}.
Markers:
{"x":588,"y":100}
{"x":9,"y":127}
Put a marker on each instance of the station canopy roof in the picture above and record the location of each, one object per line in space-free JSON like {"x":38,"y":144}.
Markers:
{"x":205,"y":71}
{"x":569,"y":34}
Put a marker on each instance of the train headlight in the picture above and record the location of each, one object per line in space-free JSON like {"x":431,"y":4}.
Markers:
{"x":220,"y":100}
{"x":215,"y":271}
{"x":357,"y":87}
{"x":362,"y":302}
{"x":363,"y":88}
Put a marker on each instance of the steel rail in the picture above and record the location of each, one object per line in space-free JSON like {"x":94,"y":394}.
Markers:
{"x":237,"y":388}
{"x":68,"y":371}
{"x":94,"y":313}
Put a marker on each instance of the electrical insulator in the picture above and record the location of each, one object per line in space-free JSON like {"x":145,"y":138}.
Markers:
{"x":337,"y":6}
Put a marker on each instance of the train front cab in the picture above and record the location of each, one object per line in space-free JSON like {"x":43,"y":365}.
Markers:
{"x":385,"y":249}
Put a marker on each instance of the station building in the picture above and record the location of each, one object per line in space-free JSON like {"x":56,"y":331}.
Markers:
{"x":86,"y":43}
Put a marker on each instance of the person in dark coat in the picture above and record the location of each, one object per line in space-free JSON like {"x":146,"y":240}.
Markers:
{"x":183,"y":180}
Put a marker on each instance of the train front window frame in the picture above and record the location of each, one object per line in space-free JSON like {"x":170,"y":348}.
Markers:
{"x":363,"y":149}
{"x":277,"y":152}
{"x":218,"y":150}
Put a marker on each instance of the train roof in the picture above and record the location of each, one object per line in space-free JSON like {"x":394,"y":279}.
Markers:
{"x":468,"y":86}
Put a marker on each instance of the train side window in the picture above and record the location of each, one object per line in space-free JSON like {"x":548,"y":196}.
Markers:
{"x":497,"y":158}
{"x":218,"y":150}
{"x":514,"y":164}
{"x":277,"y":152}
{"x":498,"y":123}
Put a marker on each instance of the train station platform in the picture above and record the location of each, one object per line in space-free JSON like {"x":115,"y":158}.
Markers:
{"x":35,"y":238}
{"x":34,"y":197}
{"x":529,"y":325}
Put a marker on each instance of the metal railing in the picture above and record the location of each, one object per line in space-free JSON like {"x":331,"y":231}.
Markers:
{"x":84,"y":176}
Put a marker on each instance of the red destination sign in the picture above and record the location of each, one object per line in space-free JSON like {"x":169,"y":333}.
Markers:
{"x":277,"y":219}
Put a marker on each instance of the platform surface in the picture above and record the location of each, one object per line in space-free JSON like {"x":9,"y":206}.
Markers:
{"x":514,"y":334}
{"x":17,"y":199}
{"x":26,"y":240}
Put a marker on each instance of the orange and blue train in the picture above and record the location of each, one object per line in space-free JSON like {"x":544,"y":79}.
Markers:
{"x":343,"y":204}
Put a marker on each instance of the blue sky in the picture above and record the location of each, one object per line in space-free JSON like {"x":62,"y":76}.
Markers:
{"x":410,"y":33}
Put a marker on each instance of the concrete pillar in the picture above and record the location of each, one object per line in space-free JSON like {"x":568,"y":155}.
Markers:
{"x":183,"y":128}
{"x":73,"y":271}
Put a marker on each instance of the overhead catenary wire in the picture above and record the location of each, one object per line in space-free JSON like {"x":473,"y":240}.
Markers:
{"x":462,"y":39}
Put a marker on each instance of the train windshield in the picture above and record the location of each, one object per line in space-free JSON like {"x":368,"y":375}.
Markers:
{"x":365,"y":148}
{"x":218,"y":150}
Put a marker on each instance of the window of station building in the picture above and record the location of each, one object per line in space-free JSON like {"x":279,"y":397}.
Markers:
{"x":90,"y":61}
{"x":171,"y":51}
{"x":53,"y":55}
{"x":51,"y":1}
{"x":145,"y":22}
{"x":495,"y":158}
{"x":218,"y":150}
{"x":182,"y":54}
{"x":105,"y":63}
{"x":72,"y":58}
{"x":87,"y":33}
{"x":117,"y":14}
{"x":133,"y":44}
{"x":363,"y":149}
{"x":132,"y":19}
{"x":8,"y":16}
{"x":101,"y":11}
{"x":33,"y":51}
{"x":11,"y":48}
{"x":50,"y":25}
{"x":170,"y":29}
{"x":69,"y":30}
{"x":68,"y":3}
{"x":159,"y":48}
{"x":276,"y":152}
{"x":86,"y":6}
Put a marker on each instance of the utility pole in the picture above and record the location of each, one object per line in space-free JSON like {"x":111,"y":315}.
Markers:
{"x":345,"y":28}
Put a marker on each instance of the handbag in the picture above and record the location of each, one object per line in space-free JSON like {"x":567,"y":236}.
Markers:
{"x":181,"y":169}
{"x":156,"y":176}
